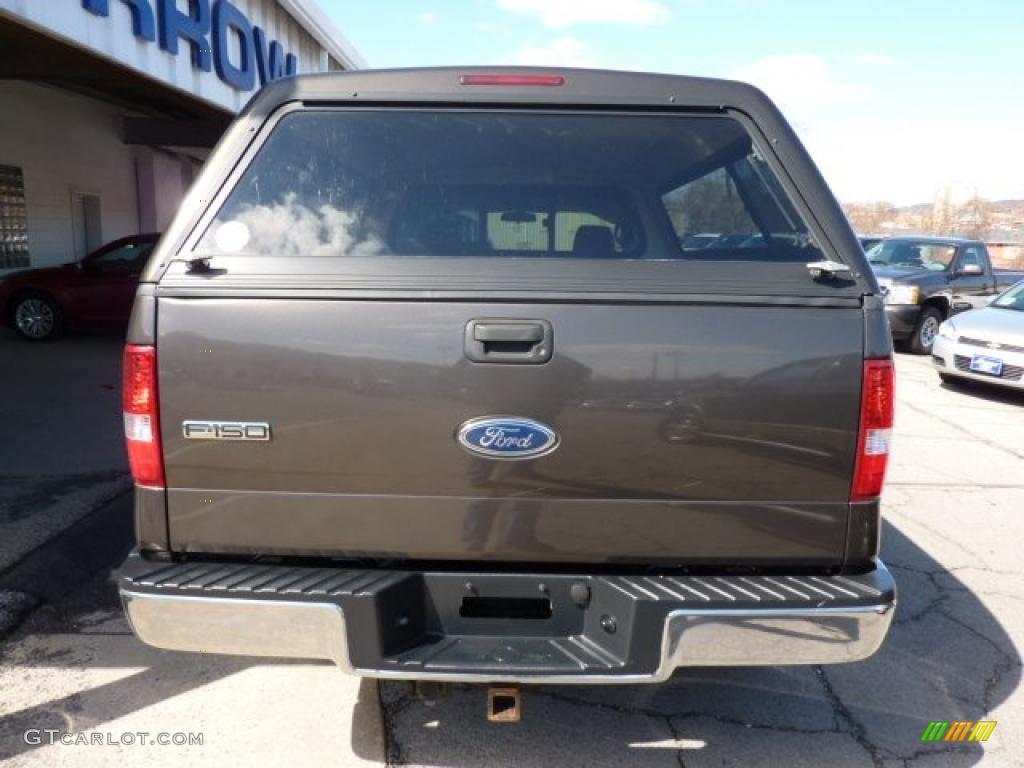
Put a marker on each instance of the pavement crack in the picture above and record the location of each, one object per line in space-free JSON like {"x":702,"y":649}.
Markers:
{"x":915,"y":569}
{"x":908,"y":759}
{"x":934,"y":414}
{"x":956,"y":542}
{"x":677,"y":738}
{"x":983,"y":569}
{"x":931,"y":607}
{"x":391,"y":707}
{"x":854,"y":727}
{"x":1006,"y":664}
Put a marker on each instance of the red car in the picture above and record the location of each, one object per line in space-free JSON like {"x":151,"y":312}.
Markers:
{"x":95,"y":293}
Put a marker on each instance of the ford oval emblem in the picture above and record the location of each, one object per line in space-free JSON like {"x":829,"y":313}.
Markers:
{"x":507,"y":437}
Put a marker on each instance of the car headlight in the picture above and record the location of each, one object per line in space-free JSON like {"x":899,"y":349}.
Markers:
{"x":902,"y":294}
{"x":947,"y":330}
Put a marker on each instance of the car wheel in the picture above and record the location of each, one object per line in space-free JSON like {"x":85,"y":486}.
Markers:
{"x":926,"y":331}
{"x":37,"y":317}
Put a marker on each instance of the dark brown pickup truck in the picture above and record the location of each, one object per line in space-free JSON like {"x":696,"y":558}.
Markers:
{"x":425,"y":379}
{"x":926,"y":280}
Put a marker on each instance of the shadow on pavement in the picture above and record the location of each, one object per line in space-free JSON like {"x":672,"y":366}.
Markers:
{"x":62,"y":451}
{"x":946,"y":658}
{"x":992,"y":393}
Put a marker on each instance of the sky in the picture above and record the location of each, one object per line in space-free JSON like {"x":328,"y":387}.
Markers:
{"x":895,"y":100}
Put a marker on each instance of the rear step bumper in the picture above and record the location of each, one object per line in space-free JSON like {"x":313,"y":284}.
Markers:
{"x":497,"y":627}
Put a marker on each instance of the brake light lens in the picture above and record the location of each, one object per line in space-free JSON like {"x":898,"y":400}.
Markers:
{"x":875,"y":434}
{"x":548,"y":80}
{"x":142,"y":416}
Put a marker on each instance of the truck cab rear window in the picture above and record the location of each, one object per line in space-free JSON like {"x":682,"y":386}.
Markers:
{"x":411,"y":183}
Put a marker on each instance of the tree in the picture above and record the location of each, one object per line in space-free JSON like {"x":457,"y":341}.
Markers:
{"x":710,"y":204}
{"x":940,"y":222}
{"x":870,"y":218}
{"x":974,"y":218}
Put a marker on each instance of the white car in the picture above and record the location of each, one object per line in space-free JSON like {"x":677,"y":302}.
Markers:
{"x":985,"y":344}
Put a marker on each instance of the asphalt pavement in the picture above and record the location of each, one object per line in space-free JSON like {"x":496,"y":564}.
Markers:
{"x":62,"y":454}
{"x":952,"y":538}
{"x":61,"y":447}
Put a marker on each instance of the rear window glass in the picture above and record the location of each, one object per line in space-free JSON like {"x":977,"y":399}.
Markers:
{"x":409,"y":183}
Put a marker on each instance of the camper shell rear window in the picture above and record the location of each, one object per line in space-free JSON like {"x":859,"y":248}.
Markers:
{"x":484,"y":184}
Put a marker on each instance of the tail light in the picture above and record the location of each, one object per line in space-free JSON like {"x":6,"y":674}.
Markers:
{"x":875,"y":435}
{"x":142,"y":416}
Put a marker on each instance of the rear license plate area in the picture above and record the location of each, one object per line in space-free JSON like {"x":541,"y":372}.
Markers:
{"x":475,"y":607}
{"x":993,"y":366}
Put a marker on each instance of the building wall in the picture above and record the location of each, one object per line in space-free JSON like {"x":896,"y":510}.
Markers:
{"x":111,"y":36}
{"x":164,"y":178}
{"x":66,"y":143}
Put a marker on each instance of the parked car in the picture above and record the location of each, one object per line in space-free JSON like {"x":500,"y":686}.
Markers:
{"x":522,"y":502}
{"x":867,"y":242}
{"x":927,"y":279}
{"x":985,"y":344}
{"x":95,"y":293}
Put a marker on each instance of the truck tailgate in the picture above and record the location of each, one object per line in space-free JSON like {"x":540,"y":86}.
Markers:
{"x":690,"y":433}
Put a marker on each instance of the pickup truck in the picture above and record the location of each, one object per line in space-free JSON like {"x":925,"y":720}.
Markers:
{"x":421,"y":381}
{"x":927,"y":279}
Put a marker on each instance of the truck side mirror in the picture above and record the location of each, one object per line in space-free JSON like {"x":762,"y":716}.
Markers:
{"x":971,"y":269}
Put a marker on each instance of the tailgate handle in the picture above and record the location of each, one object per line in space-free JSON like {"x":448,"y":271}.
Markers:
{"x":501,"y":340}
{"x":508,"y":332}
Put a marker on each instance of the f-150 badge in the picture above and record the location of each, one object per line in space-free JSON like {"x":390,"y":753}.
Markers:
{"x":225,"y":430}
{"x":507,"y":437}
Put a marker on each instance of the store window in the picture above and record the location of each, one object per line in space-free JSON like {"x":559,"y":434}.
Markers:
{"x":13,"y":219}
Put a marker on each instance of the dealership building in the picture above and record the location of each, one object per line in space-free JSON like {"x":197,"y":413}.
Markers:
{"x":108,"y":108}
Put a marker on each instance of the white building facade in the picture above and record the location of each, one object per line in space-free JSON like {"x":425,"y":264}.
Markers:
{"x":109,"y":107}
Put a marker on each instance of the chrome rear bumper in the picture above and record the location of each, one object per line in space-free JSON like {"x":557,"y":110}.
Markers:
{"x":663,"y":627}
